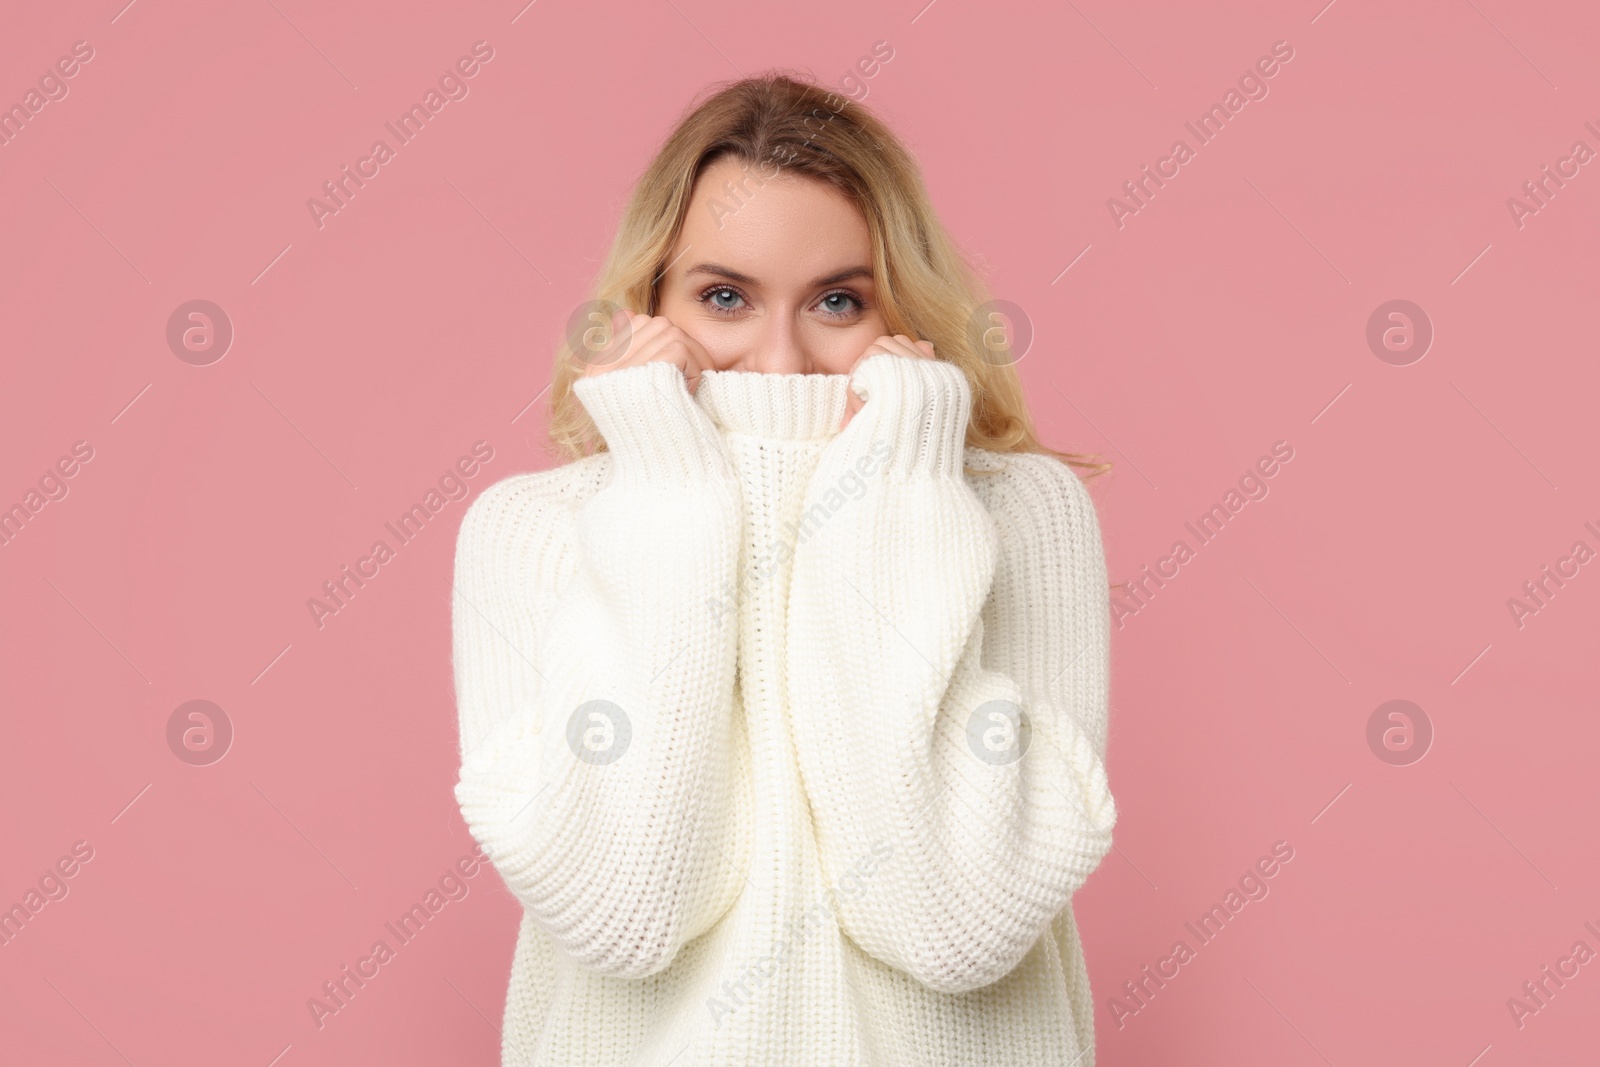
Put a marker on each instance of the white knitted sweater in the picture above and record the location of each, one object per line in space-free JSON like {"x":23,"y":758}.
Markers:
{"x":789,"y":740}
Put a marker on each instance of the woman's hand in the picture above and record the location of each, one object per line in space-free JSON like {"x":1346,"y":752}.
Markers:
{"x":637,"y":339}
{"x":898,"y":345}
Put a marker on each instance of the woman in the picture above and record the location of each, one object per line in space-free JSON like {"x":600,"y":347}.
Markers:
{"x":784,"y":713}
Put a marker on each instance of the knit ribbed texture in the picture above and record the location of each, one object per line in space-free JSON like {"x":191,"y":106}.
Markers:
{"x":789,"y":740}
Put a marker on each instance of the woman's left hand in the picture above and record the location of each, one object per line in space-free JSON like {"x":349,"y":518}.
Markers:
{"x":898,"y":345}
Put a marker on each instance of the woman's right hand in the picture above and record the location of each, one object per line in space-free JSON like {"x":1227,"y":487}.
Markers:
{"x":637,"y":339}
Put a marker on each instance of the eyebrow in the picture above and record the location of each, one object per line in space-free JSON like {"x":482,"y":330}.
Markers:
{"x":720,"y":271}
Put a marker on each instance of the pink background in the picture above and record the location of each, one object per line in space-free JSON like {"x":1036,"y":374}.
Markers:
{"x":1227,"y":314}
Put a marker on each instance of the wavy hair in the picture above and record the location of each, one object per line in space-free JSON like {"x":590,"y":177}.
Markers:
{"x":925,"y":288}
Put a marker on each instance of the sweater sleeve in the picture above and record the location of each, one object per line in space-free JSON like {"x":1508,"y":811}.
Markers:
{"x":600,"y":767}
{"x":977,"y":770}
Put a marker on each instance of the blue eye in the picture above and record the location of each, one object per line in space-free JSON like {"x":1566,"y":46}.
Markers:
{"x":854,"y":304}
{"x":709,"y":299}
{"x":726,"y":300}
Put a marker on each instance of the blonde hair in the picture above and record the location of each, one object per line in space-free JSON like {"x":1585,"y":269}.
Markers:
{"x":925,"y":289}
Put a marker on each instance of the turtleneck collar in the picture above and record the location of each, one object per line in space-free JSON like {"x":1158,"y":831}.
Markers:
{"x":799,"y":407}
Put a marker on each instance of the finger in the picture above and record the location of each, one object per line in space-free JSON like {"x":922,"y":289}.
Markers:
{"x":644,"y":329}
{"x":882,"y":346}
{"x":621,"y":341}
{"x":618,"y":345}
{"x":899,"y":345}
{"x":644,"y":339}
{"x":699,"y":361}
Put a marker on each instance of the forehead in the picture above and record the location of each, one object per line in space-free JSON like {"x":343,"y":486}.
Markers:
{"x":779,"y":229}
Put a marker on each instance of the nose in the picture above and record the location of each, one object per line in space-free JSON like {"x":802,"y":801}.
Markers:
{"x":779,"y":349}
